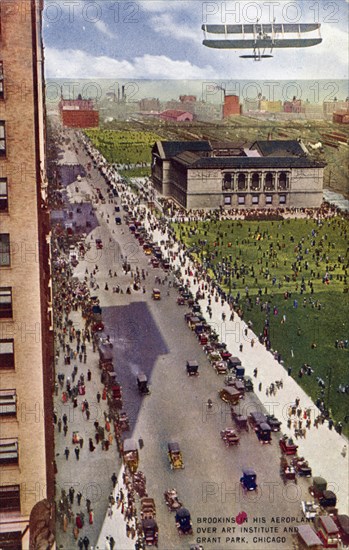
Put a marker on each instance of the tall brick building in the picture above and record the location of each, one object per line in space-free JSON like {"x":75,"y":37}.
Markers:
{"x":26,"y":428}
{"x":78,"y":113}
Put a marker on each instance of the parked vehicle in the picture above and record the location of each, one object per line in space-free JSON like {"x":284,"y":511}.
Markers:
{"x":287,"y":471}
{"x":150,"y":532}
{"x":230,"y":395}
{"x":263,"y":432}
{"x":249,"y":479}
{"x":130,"y":454}
{"x":302,"y":467}
{"x":327,"y":531}
{"x":175,"y":456}
{"x":342,"y":522}
{"x":240,"y":420}
{"x":288,"y":446}
{"x":183,"y":522}
{"x":248,"y":383}
{"x":310,"y":509}
{"x":307,"y":538}
{"x":273,"y":422}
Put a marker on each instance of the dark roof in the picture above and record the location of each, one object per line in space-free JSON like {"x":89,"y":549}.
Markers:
{"x":279,"y":148}
{"x":172,"y":148}
{"x":248,"y":162}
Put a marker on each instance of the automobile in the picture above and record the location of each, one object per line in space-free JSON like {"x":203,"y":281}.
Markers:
{"x":240,"y":387}
{"x":240,"y":420}
{"x":288,"y":446}
{"x":248,"y":383}
{"x":118,"y":220}
{"x":130,"y":454}
{"x":310,"y":509}
{"x":249,"y":479}
{"x":318,"y":487}
{"x":263,"y":432}
{"x":220,"y":367}
{"x":183,"y":522}
{"x":273,"y":422}
{"x":142,"y":383}
{"x":150,"y":531}
{"x":302,"y":467}
{"x":225,"y":354}
{"x":172,"y":500}
{"x":99,"y":244}
{"x":203,"y":338}
{"x":287,"y":471}
{"x":180,"y":301}
{"x":196,"y":308}
{"x":132,"y":227}
{"x":328,"y":499}
{"x":230,"y":437}
{"x":165,"y":265}
{"x":117,"y":208}
{"x":234,"y":362}
{"x":308,"y":538}
{"x":255,"y":418}
{"x":229,"y":395}
{"x":175,"y":456}
{"x":327,"y":531}
{"x":342,"y":522}
{"x":155,"y":262}
{"x":192,"y":368}
{"x":156,"y":294}
{"x":148,"y":510}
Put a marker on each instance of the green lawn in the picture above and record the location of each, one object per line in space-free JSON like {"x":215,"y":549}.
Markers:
{"x":253,"y":253}
{"x":125,"y":147}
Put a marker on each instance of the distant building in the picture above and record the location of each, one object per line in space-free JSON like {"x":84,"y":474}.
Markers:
{"x":231,"y":106}
{"x":250,"y":105}
{"x":341,"y":117}
{"x":330,"y":107}
{"x":149,"y":105}
{"x":313,"y":111}
{"x":187,"y":98}
{"x":268,"y":174}
{"x":78,"y":113}
{"x":270,"y":106}
{"x":176,"y":116}
{"x":294,"y":106}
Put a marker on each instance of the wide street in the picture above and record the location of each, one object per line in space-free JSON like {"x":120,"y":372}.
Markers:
{"x":152,"y":336}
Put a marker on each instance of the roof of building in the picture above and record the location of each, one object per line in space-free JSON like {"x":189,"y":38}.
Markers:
{"x":169,"y":149}
{"x":174,"y":113}
{"x":279,"y":148}
{"x":246,"y":162}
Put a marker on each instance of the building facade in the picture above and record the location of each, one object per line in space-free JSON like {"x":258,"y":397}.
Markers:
{"x":269,"y":174}
{"x":78,"y":113}
{"x":26,"y":361}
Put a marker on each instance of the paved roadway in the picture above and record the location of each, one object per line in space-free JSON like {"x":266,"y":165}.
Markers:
{"x":153,"y":337}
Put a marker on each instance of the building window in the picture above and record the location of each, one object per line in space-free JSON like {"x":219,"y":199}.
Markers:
{"x":2,"y":139}
{"x":242,"y":183}
{"x":282,"y":199}
{"x":11,"y":540}
{"x":269,"y":182}
{"x":1,"y":81}
{"x":227,"y":200}
{"x":255,"y":199}
{"x":227,"y":181}
{"x":9,"y":451}
{"x":5,"y":302}
{"x":3,"y":195}
{"x":241,"y":199}
{"x":10,"y":498}
{"x":8,"y":401}
{"x":268,"y":199}
{"x":283,"y":181}
{"x":255,"y":182}
{"x":7,"y":354}
{"x":4,"y":250}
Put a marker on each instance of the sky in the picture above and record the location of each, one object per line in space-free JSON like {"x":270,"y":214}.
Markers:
{"x":156,"y":39}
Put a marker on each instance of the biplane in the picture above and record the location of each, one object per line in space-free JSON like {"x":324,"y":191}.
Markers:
{"x":261,"y":37}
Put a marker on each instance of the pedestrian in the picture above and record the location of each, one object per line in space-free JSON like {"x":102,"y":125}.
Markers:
{"x":255,"y":371}
{"x":241,"y":347}
{"x":81,"y":442}
{"x":88,"y":414}
{"x":59,"y":424}
{"x":110,"y":511}
{"x":65,"y":419}
{"x":98,"y":397}
{"x":112,"y":543}
{"x":71,"y":495}
{"x":80,"y":543}
{"x":79,"y":497}
{"x":65,"y":429}
{"x":66,"y":452}
{"x":260,"y":386}
{"x":107,"y":544}
{"x":77,"y":452}
{"x":91,"y":517}
{"x":88,"y":505}
{"x":114,"y":479}
{"x":91,"y":445}
{"x":89,"y":375}
{"x":86,"y":542}
{"x":344,"y":451}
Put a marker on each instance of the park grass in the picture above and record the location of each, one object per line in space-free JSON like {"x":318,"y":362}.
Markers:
{"x":138,"y":172}
{"x":321,"y":317}
{"x":124,"y":147}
